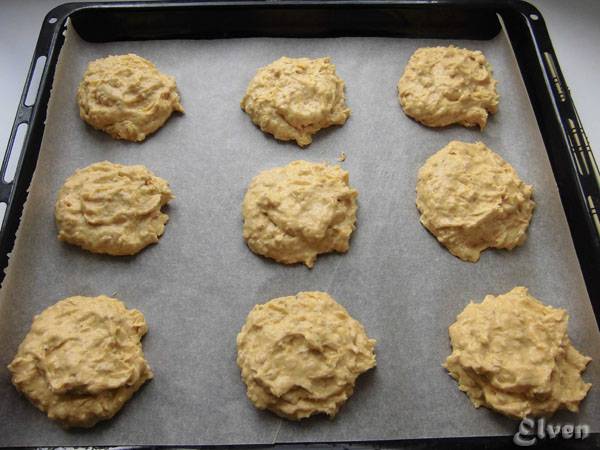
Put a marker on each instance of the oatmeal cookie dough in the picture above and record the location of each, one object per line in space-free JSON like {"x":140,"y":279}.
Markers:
{"x":82,"y":360}
{"x":470,"y":199}
{"x":301,"y":355}
{"x":512,"y":354}
{"x":127,"y":97}
{"x":294,"y":213}
{"x":293,"y":98}
{"x":111,"y":208}
{"x":445,"y":85}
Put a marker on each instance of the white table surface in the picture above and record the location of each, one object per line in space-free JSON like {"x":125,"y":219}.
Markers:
{"x":574,"y":27}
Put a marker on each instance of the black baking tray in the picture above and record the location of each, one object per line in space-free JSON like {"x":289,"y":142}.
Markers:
{"x":572,"y":161}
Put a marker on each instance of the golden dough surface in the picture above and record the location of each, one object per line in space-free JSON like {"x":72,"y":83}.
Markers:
{"x":127,"y":97}
{"x":293,"y":98}
{"x":112,"y":208}
{"x":470,"y":199}
{"x":511,"y":353}
{"x":82,"y":360}
{"x":296,"y":212}
{"x":441,"y":86}
{"x":301,"y":355}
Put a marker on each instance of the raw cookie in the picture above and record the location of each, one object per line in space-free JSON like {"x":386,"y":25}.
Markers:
{"x":471,"y":199}
{"x":511,"y":353}
{"x":301,"y":355}
{"x":127,"y":97}
{"x":111,"y":208}
{"x":445,"y":85}
{"x":294,"y":213}
{"x":293,"y":98}
{"x":82,"y":360}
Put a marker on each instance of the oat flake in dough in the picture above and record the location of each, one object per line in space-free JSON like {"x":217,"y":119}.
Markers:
{"x":293,"y":98}
{"x":82,"y":360}
{"x":471,"y":200}
{"x":296,"y":212}
{"x":301,"y":355}
{"x":445,"y":85}
{"x":512,"y":354}
{"x":127,"y":97}
{"x":111,"y":208}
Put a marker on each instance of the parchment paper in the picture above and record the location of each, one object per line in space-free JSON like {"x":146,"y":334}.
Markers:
{"x":197,"y":285}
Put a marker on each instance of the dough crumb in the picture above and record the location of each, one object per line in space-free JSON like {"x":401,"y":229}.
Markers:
{"x":445,"y":85}
{"x":511,"y":353}
{"x":82,"y":360}
{"x":301,"y":355}
{"x":342,"y":157}
{"x":293,"y":98}
{"x":294,"y":213}
{"x":127,"y":97}
{"x":111,"y":208}
{"x":470,"y":199}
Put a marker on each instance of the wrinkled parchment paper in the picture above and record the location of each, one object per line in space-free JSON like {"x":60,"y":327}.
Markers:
{"x":198,"y":283}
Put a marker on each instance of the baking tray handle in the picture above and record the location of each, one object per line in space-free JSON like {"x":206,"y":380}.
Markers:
{"x":26,"y":133}
{"x":588,"y":176}
{"x":581,"y":151}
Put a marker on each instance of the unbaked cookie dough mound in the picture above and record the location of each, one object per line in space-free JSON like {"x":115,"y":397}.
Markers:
{"x":111,"y":208}
{"x":301,"y":355}
{"x":445,"y":85}
{"x":512,"y":354}
{"x":127,"y":97}
{"x":294,"y":213}
{"x":293,"y":98}
{"x":82,"y":360}
{"x":470,"y":199}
